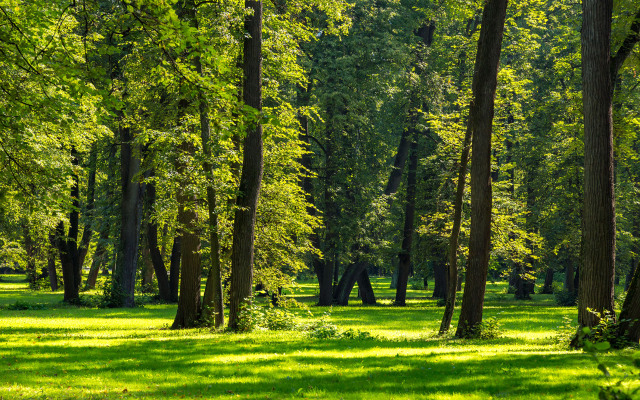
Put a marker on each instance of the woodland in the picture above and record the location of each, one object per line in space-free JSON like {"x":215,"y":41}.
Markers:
{"x":442,"y":180}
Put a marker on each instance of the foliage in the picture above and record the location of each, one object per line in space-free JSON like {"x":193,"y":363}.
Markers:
{"x":486,"y":330}
{"x":565,"y":297}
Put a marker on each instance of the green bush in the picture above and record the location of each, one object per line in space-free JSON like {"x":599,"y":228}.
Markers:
{"x":565,"y":298}
{"x":23,"y":305}
{"x":487,"y":329}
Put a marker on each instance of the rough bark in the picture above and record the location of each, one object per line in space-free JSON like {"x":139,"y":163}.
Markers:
{"x":481,"y":118}
{"x":189,"y":301}
{"x":252,"y":167}
{"x":404,"y":258}
{"x":124,"y":277}
{"x":597,"y":271}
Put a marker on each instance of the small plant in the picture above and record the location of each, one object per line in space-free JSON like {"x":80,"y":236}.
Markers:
{"x":323,"y":328}
{"x":23,"y":305}
{"x":253,"y":316}
{"x":620,"y":389}
{"x":606,"y":331}
{"x":487,"y":329}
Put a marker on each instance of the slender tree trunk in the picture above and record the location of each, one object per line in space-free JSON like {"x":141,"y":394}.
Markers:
{"x":481,"y":118}
{"x":597,"y":271}
{"x":51,"y":266}
{"x":157,"y":260}
{"x":29,"y":247}
{"x":99,"y":259}
{"x":404,"y":258}
{"x":252,"y":166}
{"x":87,"y":232}
{"x":174,"y":266}
{"x":147,"y":271}
{"x":452,"y":268}
{"x":569,"y":277}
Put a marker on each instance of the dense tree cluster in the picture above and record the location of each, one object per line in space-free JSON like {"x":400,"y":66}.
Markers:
{"x":240,"y":143}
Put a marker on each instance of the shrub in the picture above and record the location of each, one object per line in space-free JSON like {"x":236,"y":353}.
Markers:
{"x":565,"y":298}
{"x":487,"y":329}
{"x":23,"y":305}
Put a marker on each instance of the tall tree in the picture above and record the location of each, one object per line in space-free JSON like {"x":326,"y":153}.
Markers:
{"x":599,"y":222}
{"x":252,"y":168}
{"x":481,"y":119}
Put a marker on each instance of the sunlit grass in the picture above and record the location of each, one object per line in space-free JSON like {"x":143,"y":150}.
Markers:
{"x":64,"y":352}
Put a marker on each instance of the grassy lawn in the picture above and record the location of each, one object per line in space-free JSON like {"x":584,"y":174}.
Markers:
{"x":62,"y":352}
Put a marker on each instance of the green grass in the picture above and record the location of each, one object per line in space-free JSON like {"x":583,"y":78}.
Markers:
{"x":77,"y":353}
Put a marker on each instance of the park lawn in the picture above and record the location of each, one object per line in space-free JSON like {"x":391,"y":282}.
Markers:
{"x":62,"y":352}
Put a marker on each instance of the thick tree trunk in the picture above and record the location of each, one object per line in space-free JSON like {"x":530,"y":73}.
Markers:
{"x":189,"y":302}
{"x":352,"y":274}
{"x":124,"y":277}
{"x":597,"y":271}
{"x":481,"y":118}
{"x":252,"y":166}
{"x":71,"y":293}
{"x":440,"y":286}
{"x":404,"y":258}
{"x":547,"y":288}
{"x":174,"y":266}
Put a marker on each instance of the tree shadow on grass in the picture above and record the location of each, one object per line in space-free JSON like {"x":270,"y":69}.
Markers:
{"x":263,"y":367}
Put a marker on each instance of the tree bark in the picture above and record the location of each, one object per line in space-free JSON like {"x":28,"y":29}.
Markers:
{"x":597,"y":271}
{"x":252,"y":167}
{"x":51,"y":266}
{"x":404,"y":258}
{"x":481,"y":118}
{"x":189,"y":302}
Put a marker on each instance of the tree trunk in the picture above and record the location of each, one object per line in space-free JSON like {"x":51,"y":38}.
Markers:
{"x":71,"y":293}
{"x":440,"y":286}
{"x":481,"y":120}
{"x":252,"y":166}
{"x":51,"y":266}
{"x":569,"y":277}
{"x":174,"y":267}
{"x":453,"y":283}
{"x":597,"y":271}
{"x":87,"y":231}
{"x":547,"y":288}
{"x":632,"y":270}
{"x":147,"y":271}
{"x":152,"y":242}
{"x":29,"y":247}
{"x":629,"y":327}
{"x":189,"y":302}
{"x":404,"y":258}
{"x":124,"y":276}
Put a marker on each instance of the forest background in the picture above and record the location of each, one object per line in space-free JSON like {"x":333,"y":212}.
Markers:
{"x":126,"y":128}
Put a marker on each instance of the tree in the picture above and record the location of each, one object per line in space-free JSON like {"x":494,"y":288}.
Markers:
{"x":481,"y":117}
{"x":252,"y":169}
{"x":599,"y":220}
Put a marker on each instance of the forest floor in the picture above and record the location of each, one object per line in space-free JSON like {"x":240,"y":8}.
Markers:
{"x":53,"y":351}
